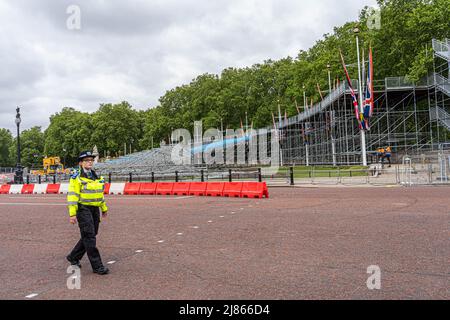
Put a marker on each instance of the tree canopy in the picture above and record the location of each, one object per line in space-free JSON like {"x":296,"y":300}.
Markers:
{"x":402,"y":47}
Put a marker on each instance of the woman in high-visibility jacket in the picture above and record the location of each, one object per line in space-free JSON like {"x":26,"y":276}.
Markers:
{"x":85,"y":200}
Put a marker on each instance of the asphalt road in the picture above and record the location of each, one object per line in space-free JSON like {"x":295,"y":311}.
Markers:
{"x":301,"y":243}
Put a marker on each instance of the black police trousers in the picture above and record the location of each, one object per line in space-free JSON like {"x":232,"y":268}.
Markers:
{"x":88,"y":220}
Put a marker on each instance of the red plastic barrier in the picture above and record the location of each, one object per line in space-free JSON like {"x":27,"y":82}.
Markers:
{"x":232,"y":189}
{"x":197,"y":188}
{"x":27,"y":189}
{"x":164,"y":188}
{"x":215,"y":189}
{"x":4,"y":189}
{"x":181,"y":188}
{"x":254,"y":190}
{"x":107,"y":186}
{"x":148,"y":188}
{"x":132,"y":188}
{"x":53,"y":188}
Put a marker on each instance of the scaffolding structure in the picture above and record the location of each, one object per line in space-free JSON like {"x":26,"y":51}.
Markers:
{"x":411,"y":118}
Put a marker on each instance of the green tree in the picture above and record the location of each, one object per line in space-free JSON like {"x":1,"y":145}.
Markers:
{"x":31,"y":147}
{"x":114,"y":126}
{"x":6,"y":141}
{"x":69,"y":130}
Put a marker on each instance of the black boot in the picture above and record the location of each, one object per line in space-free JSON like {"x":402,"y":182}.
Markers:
{"x":74,"y":262}
{"x":102,"y":270}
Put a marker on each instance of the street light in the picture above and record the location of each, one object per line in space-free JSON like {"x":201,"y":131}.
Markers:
{"x":363,"y":133}
{"x":18,"y":178}
{"x":65,"y":153}
{"x":333,"y":142}
{"x":329,"y":77}
{"x":304,"y":98}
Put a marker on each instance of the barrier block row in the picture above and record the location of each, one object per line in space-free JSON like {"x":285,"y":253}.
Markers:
{"x":211,"y":189}
{"x":44,"y":188}
{"x":32,"y":188}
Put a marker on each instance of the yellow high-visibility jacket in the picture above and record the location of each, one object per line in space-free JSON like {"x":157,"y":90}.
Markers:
{"x":85,"y":191}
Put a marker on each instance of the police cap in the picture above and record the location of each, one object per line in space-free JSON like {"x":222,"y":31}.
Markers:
{"x":85,"y":154}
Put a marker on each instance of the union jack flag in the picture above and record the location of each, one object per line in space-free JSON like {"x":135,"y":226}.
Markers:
{"x":368,"y":103}
{"x":359,"y":116}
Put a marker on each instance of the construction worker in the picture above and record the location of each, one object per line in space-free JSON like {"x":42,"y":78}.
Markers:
{"x":388,"y":155}
{"x":380,"y":154}
{"x":85,"y":200}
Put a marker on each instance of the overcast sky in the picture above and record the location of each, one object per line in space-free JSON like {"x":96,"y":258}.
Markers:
{"x":136,"y":50}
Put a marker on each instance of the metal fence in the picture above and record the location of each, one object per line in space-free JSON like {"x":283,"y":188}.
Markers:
{"x":412,"y":171}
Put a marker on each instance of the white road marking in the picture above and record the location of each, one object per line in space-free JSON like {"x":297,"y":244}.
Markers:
{"x":221,"y":216}
{"x":31,"y":204}
{"x":139,"y":251}
{"x":111,"y":262}
{"x":180,"y":234}
{"x":160,"y":241}
{"x":108,"y":196}
{"x":195,"y":227}
{"x":137,"y":197}
{"x":209,"y":221}
{"x":37,"y":196}
{"x":31,"y":295}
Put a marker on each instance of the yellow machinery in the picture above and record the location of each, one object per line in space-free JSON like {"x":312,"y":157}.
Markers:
{"x":52,"y":165}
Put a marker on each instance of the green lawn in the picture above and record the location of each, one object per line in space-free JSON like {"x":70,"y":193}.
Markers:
{"x":325,"y":171}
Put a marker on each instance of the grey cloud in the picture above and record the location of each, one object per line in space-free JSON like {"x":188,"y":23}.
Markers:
{"x":136,"y":50}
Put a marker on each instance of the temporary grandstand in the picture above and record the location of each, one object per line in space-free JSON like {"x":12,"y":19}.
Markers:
{"x":157,"y":160}
{"x":411,"y":118}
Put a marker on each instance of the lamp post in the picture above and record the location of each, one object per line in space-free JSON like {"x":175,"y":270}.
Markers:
{"x":307,"y":143}
{"x":65,"y":153}
{"x":329,"y":77}
{"x":18,"y":178}
{"x":304,"y":98}
{"x":363,"y":133}
{"x":333,"y":142}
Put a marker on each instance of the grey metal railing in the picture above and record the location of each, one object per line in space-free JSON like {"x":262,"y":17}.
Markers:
{"x":442,"y":49}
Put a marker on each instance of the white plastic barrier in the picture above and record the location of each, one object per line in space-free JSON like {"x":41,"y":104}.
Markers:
{"x":15,"y":189}
{"x":40,"y":188}
{"x":64,"y":188}
{"x":117,"y":188}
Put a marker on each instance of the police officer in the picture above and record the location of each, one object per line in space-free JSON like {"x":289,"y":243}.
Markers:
{"x":85,"y":200}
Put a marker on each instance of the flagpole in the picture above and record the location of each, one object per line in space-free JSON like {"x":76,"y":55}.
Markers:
{"x":363,"y":133}
{"x":333,"y":143}
{"x":277,"y":133}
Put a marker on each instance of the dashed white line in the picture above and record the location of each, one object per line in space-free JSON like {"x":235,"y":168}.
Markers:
{"x":221,"y":216}
{"x":121,"y":197}
{"x":160,"y":241}
{"x":179,"y":233}
{"x":209,"y":221}
{"x":30,"y":296}
{"x":139,"y":251}
{"x":194,"y":227}
{"x":111,"y":262}
{"x":31,"y":204}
